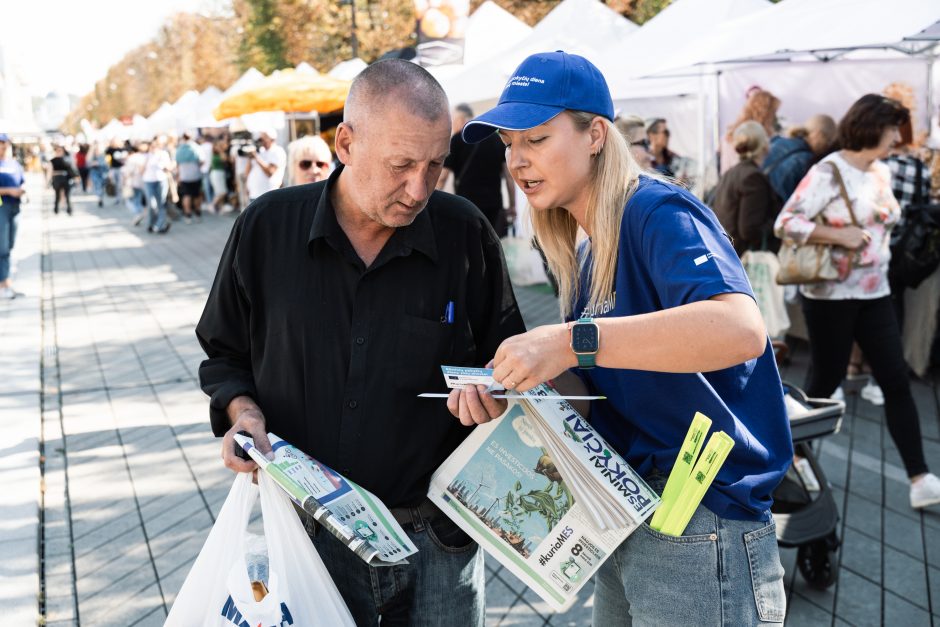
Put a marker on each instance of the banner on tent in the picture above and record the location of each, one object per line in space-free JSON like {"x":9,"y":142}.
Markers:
{"x":441,"y":27}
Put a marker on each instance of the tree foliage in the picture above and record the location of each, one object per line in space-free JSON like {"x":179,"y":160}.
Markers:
{"x":194,"y":51}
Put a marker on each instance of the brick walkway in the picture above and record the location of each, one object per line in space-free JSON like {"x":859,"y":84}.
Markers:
{"x":101,"y":348}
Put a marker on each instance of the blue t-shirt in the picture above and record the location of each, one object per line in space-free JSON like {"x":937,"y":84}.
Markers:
{"x":11,"y":175}
{"x":673,"y":251}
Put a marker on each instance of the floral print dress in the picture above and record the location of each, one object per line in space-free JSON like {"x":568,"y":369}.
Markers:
{"x":865,"y":271}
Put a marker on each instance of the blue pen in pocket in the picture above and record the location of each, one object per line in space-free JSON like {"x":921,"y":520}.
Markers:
{"x":448,"y":317}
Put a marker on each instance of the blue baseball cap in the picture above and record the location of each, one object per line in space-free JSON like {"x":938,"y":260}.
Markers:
{"x":544,"y":85}
{"x":5,"y":138}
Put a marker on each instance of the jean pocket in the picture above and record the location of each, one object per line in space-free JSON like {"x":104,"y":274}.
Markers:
{"x":447,"y":536}
{"x":766,"y":573}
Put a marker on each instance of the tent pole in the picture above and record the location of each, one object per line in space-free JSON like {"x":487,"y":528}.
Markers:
{"x":930,"y":103}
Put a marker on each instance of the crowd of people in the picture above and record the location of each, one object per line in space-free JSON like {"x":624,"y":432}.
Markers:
{"x":170,"y":178}
{"x":674,"y":341}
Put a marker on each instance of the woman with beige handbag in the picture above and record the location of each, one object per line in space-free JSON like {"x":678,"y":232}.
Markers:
{"x":846,"y":202}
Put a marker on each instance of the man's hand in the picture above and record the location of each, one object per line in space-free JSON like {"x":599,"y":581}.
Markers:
{"x":245,"y":416}
{"x":474,"y":406}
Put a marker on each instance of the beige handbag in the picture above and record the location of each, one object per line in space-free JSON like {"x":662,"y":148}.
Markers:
{"x":812,"y":263}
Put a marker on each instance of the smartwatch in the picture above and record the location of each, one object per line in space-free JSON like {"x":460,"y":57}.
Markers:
{"x":585,"y":341}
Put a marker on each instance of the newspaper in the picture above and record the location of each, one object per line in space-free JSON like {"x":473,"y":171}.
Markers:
{"x":351,"y":513}
{"x":543,"y":494}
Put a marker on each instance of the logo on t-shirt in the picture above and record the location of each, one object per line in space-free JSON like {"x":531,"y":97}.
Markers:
{"x":703,"y":258}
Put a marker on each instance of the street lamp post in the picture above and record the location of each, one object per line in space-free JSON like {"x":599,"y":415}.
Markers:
{"x":353,"y":40}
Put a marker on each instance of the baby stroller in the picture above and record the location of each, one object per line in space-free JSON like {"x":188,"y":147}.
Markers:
{"x":805,"y":518}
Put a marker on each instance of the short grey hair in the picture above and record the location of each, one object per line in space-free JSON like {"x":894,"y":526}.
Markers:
{"x":396,"y":80}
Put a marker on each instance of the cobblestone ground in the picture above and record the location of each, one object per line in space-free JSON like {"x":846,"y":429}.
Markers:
{"x":116,"y":477}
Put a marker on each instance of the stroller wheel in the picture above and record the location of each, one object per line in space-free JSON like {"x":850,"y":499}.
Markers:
{"x":817,"y":563}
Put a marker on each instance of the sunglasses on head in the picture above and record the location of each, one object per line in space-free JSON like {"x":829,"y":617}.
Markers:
{"x":307,"y":163}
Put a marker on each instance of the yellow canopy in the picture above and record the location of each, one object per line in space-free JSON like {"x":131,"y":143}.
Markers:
{"x":288,"y":91}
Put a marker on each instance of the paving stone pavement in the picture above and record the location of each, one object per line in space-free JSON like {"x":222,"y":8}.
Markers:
{"x":116,"y":477}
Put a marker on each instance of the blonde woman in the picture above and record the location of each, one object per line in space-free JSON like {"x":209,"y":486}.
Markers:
{"x":661,"y":320}
{"x":745,"y":204}
{"x":308,"y":160}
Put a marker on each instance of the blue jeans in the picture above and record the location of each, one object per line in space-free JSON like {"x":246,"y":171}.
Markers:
{"x":719,"y":572}
{"x":8,"y":213}
{"x":207,"y":188}
{"x":441,"y":586}
{"x":156,"y":202}
{"x":97,"y":181}
{"x":117,"y":177}
{"x":139,"y":200}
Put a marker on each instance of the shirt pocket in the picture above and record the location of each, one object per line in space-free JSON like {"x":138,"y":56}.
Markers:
{"x":423,"y":347}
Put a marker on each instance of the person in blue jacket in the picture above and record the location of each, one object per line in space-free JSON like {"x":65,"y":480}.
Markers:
{"x":660,"y":319}
{"x":791,"y":157}
{"x":11,"y":193}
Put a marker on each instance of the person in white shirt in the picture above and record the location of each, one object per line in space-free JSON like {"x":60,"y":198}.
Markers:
{"x":204,"y":146}
{"x":134,"y":176}
{"x":156,"y":180}
{"x":266,"y":167}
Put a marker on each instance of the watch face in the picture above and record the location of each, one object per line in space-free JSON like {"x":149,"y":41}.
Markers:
{"x":584,"y":338}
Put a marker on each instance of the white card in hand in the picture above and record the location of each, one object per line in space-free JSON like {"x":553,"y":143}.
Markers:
{"x":461,"y":377}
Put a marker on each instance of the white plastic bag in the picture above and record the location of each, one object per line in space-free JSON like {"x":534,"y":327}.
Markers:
{"x":522,"y":260}
{"x":761,"y":268}
{"x":217,"y":592}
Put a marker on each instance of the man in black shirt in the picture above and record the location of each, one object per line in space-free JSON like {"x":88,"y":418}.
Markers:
{"x":117,"y":154}
{"x":330,"y":313}
{"x":479,"y":172}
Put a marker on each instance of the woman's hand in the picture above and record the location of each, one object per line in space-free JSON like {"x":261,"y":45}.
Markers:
{"x":524,"y":361}
{"x":854,"y":238}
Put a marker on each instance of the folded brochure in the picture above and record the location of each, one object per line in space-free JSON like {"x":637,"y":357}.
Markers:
{"x":350,"y":512}
{"x":543,"y":494}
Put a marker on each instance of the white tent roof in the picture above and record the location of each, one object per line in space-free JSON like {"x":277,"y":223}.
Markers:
{"x":685,"y":21}
{"x":348,"y":70}
{"x":819,"y":30}
{"x":246,"y":80}
{"x":585,"y":27}
{"x":305,"y":68}
{"x":490,"y":30}
{"x":160,"y":116}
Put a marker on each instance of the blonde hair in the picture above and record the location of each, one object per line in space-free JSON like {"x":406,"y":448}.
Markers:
{"x":749,"y":140}
{"x":613,"y":179}
{"x":308,"y":144}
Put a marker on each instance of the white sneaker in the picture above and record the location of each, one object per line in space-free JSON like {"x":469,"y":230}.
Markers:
{"x":873,"y":394}
{"x":7,"y":293}
{"x":805,"y":471}
{"x":925,"y":491}
{"x":838,"y":395}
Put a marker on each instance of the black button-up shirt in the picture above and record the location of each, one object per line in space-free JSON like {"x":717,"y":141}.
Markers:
{"x":334,"y":352}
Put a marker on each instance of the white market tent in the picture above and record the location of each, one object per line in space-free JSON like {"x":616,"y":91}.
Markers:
{"x":585,"y":27}
{"x":817,"y":56}
{"x":490,"y":30}
{"x":252,"y":122}
{"x":250,"y":78}
{"x":161,"y":118}
{"x":348,"y":70}
{"x":305,"y":68}
{"x":680,"y":99}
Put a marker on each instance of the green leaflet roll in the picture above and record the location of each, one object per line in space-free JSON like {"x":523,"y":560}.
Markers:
{"x":707,"y":467}
{"x":682,"y":469}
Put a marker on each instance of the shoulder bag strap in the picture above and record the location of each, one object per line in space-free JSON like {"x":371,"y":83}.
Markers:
{"x":845,"y":194}
{"x":918,"y":183}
